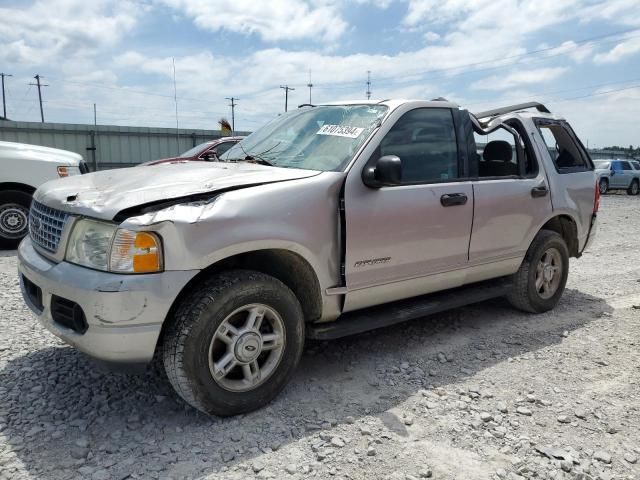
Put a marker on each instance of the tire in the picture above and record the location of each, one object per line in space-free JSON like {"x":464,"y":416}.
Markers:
{"x":603,"y":185}
{"x":527,"y":295}
{"x":200,"y":337}
{"x":14,"y":217}
{"x":634,"y":188}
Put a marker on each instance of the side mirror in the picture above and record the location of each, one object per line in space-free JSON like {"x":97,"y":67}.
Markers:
{"x":385,"y":171}
{"x":210,"y":157}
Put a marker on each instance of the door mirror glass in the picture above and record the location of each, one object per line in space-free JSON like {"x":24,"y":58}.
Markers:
{"x":386,"y":171}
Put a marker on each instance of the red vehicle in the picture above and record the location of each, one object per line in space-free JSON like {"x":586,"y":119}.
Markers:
{"x":205,"y":152}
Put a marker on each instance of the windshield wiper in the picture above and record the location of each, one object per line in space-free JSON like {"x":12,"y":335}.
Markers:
{"x":254,"y":159}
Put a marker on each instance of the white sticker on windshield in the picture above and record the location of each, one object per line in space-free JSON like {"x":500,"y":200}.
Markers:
{"x":340,"y":131}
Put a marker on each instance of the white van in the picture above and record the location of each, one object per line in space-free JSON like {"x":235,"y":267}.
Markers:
{"x":23,"y":168}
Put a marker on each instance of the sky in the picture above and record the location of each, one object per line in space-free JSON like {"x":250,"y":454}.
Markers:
{"x":579,"y":57}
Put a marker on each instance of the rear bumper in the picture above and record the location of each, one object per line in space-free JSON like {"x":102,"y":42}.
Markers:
{"x":124,"y":313}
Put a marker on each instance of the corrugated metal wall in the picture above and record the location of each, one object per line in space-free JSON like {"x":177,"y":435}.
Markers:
{"x":115,"y":146}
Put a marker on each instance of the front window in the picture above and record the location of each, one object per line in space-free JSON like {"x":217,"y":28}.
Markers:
{"x":322,"y":138}
{"x":192,"y":152}
{"x":603,"y":165}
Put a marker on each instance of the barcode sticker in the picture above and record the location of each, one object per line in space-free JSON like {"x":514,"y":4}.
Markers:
{"x":340,"y":131}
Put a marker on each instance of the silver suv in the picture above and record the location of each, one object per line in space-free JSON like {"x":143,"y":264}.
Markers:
{"x":330,"y":220}
{"x":618,"y":175}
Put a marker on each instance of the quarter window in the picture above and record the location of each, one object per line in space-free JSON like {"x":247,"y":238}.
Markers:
{"x":425,"y":141}
{"x":565,"y":153}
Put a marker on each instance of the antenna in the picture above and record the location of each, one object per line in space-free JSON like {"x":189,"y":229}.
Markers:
{"x":368,"y":84}
{"x":310,"y":85}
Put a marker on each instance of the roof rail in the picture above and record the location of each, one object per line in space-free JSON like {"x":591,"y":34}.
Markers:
{"x":512,"y":108}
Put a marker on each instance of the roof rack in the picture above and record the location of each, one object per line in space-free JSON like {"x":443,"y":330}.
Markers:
{"x":513,"y":108}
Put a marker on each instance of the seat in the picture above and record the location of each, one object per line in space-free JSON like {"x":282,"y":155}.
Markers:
{"x":497,"y":158}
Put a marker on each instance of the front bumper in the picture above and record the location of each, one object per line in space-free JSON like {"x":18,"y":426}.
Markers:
{"x":124,"y":313}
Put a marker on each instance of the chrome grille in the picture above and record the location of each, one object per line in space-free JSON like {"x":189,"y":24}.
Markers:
{"x":46,"y":225}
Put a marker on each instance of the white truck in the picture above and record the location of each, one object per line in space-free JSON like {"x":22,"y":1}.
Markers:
{"x":23,"y":168}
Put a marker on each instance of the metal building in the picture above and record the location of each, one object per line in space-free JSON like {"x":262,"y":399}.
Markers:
{"x":108,"y":146}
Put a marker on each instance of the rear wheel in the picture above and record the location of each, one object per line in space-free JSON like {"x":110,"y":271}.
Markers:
{"x":603,"y":185}
{"x":234,"y":343}
{"x":540,"y":281}
{"x":634,"y":188}
{"x":14,"y":217}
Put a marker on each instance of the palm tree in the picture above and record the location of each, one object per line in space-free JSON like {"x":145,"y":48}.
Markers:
{"x":225,"y":126}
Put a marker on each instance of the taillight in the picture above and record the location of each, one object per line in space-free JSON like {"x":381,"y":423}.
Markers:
{"x":596,"y":200}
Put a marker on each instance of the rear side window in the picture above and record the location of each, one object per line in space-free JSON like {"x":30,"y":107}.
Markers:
{"x":425,"y":141}
{"x":636,"y":165}
{"x":566,"y":154}
{"x":625,"y":165}
{"x":223,"y":147}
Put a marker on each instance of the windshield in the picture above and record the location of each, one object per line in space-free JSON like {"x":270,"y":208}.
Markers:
{"x":602,"y":165}
{"x":192,"y":152}
{"x":315,"y":138}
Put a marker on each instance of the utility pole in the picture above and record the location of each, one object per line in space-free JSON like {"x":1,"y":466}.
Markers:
{"x":368,"y":84}
{"x":4,"y":101}
{"x":39,"y":85}
{"x":286,"y":95}
{"x":310,"y":85}
{"x":233,"y":104}
{"x":95,"y":115}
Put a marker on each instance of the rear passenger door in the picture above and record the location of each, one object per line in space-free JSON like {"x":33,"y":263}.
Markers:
{"x":409,"y":239}
{"x":511,"y":200}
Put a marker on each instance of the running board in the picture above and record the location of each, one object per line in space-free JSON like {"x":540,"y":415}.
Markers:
{"x":380,"y":316}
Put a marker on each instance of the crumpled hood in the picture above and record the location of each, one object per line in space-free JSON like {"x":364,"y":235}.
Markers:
{"x":104,"y":194}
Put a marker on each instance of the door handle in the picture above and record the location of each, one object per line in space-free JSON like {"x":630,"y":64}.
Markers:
{"x":540,"y":191}
{"x":452,"y":199}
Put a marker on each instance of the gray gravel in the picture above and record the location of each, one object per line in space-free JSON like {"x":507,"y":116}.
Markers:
{"x":484,"y":392}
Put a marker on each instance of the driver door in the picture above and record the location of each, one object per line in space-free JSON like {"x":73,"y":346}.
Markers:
{"x":408,"y":240}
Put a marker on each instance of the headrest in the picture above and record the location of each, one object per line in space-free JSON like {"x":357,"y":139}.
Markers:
{"x":498,"y":150}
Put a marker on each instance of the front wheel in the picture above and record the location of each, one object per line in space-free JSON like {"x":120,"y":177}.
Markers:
{"x":603,"y":185}
{"x":634,"y":188}
{"x":14,"y":217}
{"x":540,"y":281}
{"x":234,"y":343}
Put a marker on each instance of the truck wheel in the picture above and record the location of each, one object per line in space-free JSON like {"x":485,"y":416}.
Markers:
{"x":634,"y":188}
{"x":603,"y":185}
{"x":540,"y":281}
{"x":233,"y":344}
{"x":14,"y":217}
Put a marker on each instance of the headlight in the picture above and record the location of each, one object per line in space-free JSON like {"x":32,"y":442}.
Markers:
{"x":104,"y":246}
{"x":90,"y":244}
{"x":68,"y":171}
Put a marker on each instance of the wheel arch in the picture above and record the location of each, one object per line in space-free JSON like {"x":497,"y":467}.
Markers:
{"x":21,"y":187}
{"x":567,"y":228}
{"x":287,"y":266}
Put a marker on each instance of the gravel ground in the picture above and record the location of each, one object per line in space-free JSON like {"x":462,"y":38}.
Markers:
{"x":483,"y":392}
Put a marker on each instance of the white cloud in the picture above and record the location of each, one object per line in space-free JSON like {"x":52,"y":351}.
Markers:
{"x":518,"y":78}
{"x":620,"y":51}
{"x":44,"y":33}
{"x":431,"y":36}
{"x":272,"y":20}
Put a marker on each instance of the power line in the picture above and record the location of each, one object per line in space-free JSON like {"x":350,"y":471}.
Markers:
{"x":38,"y":77}
{"x":4,"y":100}
{"x":286,"y":95}
{"x":233,"y":112}
{"x":596,"y":39}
